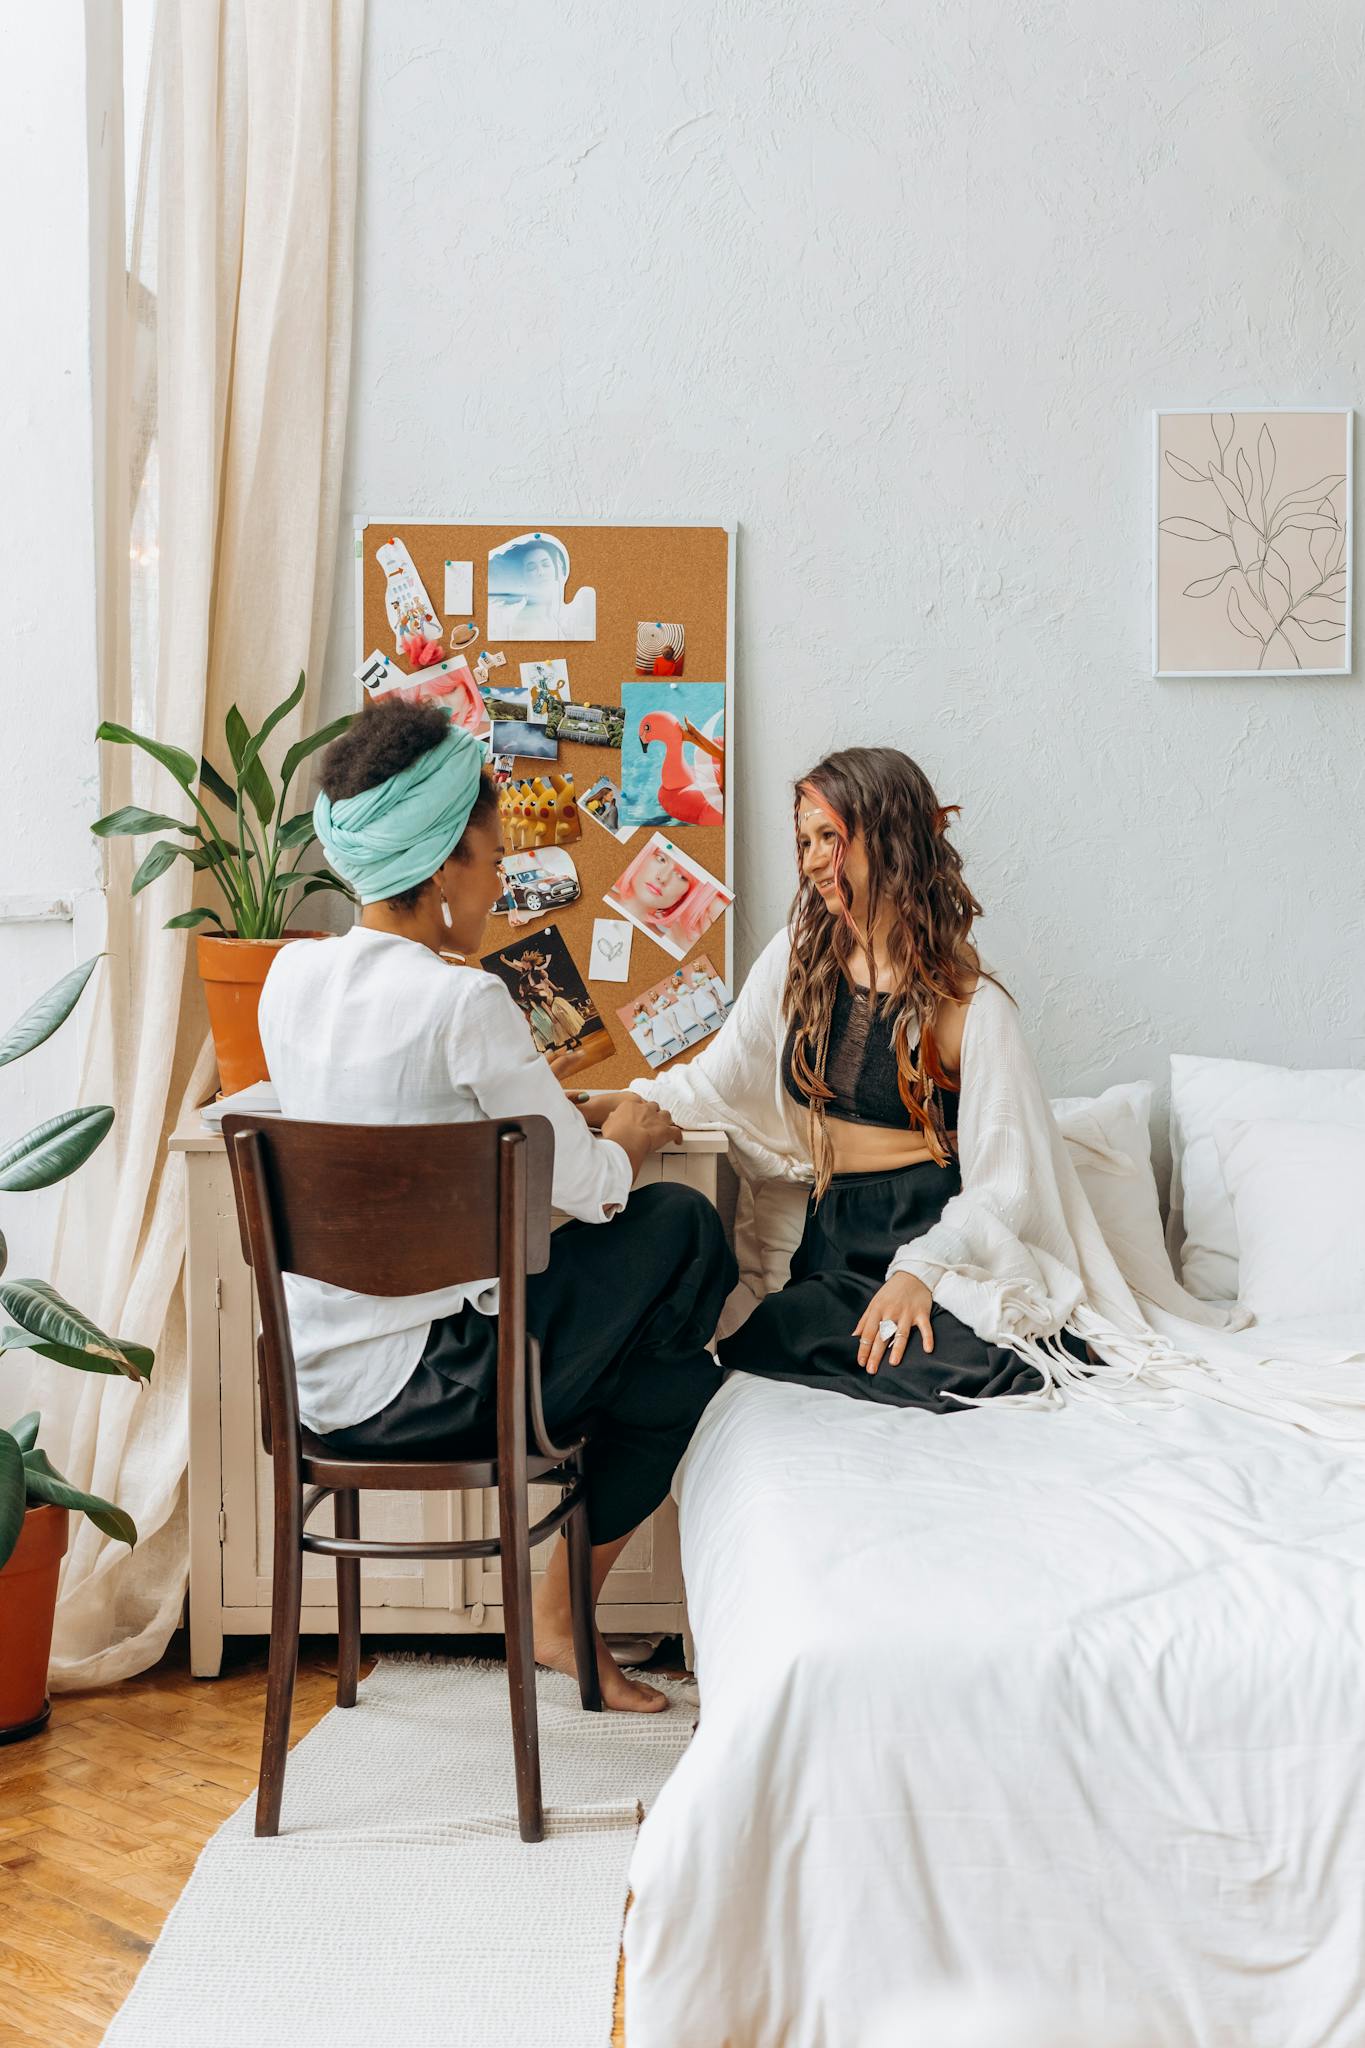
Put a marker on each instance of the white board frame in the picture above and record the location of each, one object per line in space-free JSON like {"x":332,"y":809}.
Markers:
{"x":730,"y":527}
{"x":1345,"y":412}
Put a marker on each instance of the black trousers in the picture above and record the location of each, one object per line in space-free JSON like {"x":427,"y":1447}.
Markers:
{"x":623,"y":1314}
{"x":805,"y":1332}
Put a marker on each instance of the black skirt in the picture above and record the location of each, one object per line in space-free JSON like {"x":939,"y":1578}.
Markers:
{"x":805,"y":1333}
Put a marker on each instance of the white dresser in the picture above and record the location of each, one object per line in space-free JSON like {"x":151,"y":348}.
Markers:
{"x":229,"y":1472}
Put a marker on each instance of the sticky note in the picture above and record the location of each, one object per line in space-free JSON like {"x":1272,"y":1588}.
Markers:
{"x":459,"y":587}
{"x":610,"y":956}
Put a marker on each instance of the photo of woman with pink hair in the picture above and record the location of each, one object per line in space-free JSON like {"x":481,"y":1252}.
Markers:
{"x":668,"y":896}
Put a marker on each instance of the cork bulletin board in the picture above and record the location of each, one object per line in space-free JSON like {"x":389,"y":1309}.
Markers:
{"x":649,"y":572}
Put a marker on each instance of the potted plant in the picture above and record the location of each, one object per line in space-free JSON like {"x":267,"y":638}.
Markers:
{"x":35,"y":1501}
{"x":260,"y":874}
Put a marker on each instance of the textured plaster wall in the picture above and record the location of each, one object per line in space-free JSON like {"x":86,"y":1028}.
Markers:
{"x":896,"y":286}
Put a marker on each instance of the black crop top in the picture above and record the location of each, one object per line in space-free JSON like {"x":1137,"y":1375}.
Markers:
{"x":861,"y":1065}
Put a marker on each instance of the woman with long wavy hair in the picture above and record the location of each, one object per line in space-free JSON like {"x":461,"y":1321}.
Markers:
{"x":841,"y":1064}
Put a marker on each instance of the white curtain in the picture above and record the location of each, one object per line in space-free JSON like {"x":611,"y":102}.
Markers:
{"x":229,"y":363}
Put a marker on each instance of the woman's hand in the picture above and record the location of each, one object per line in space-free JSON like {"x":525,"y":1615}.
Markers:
{"x":595,"y":1109}
{"x":904,"y":1301}
{"x":640,"y":1128}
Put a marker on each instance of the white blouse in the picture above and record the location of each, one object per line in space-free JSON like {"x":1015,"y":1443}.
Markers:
{"x":370,"y":1028}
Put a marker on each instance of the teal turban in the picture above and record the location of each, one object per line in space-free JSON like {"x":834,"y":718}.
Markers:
{"x":395,"y":836}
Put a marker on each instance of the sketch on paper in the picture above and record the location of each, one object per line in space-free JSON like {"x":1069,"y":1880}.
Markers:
{"x":1252,"y":569}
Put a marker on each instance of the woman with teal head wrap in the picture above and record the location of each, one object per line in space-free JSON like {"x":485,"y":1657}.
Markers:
{"x":393,"y":835}
{"x":377,"y":1027}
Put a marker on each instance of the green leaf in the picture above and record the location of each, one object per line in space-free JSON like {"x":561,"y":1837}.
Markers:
{"x":42,"y":1018}
{"x":132,"y":820}
{"x":14,"y":1339}
{"x":13,"y":1490}
{"x":25,"y":1430}
{"x":301,"y":749}
{"x":283,"y":710}
{"x":216,"y":784}
{"x":155,"y":862}
{"x":44,"y":1483}
{"x":250,"y":773}
{"x":297,"y":831}
{"x":54,"y":1149}
{"x":4,"y":1252}
{"x":188,"y":919}
{"x":180,"y":764}
{"x":41,"y":1311}
{"x":308,"y":885}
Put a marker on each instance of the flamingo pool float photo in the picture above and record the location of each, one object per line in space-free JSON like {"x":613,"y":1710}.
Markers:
{"x":690,"y":793}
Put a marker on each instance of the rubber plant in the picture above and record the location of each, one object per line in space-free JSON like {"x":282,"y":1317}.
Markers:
{"x":257,"y":872}
{"x":42,"y":1321}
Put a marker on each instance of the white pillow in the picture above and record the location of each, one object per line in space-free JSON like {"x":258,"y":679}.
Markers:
{"x":1202,"y":1232}
{"x":1126,"y":1204}
{"x":1298,"y":1198}
{"x":1109,"y":1140}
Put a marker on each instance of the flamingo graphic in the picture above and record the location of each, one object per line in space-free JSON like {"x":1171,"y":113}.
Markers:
{"x":686,"y":792}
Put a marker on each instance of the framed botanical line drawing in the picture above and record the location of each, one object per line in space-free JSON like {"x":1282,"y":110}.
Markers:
{"x":1251,"y":542}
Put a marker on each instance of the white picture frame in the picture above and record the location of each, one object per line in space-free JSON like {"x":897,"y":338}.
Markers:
{"x":1220,"y":594}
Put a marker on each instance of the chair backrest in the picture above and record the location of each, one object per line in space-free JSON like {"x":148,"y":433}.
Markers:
{"x":386,"y":1209}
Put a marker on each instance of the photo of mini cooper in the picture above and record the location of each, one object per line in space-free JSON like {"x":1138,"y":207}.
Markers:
{"x":535,"y":882}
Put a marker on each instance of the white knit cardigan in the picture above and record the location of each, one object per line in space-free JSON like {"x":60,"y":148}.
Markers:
{"x":1017,"y":1254}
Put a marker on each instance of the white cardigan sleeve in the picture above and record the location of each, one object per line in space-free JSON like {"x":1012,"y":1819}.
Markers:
{"x":734,"y":1083}
{"x":1018,"y":1253}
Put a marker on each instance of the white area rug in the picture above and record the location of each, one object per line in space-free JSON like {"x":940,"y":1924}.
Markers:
{"x":398,"y":1903}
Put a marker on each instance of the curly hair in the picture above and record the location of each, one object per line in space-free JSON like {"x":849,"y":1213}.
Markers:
{"x":389,"y":734}
{"x":915,"y":872}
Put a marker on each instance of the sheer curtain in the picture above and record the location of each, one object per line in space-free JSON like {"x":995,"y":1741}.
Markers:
{"x":228,"y":366}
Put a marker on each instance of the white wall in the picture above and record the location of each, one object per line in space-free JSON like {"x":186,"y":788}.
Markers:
{"x":897,"y":287}
{"x":49,"y":775}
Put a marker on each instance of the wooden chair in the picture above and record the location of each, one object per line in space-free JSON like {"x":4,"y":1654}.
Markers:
{"x":400,"y":1210}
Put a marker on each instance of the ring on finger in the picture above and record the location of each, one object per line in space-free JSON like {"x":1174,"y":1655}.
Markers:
{"x":887,"y":1328}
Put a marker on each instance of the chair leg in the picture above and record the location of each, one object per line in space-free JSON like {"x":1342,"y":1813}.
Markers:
{"x":346,"y":1522}
{"x":581,"y":1609}
{"x":285,"y":1602}
{"x":521,"y":1664}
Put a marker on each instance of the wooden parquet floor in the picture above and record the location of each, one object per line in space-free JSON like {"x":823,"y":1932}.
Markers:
{"x":101,"y":1820}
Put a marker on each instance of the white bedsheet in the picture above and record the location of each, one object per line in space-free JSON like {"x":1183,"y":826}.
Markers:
{"x":1071,"y":1700}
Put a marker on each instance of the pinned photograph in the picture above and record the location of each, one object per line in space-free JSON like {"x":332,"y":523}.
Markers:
{"x":450,"y":684}
{"x":548,"y":683}
{"x":534,"y":883}
{"x":601,"y":801}
{"x":459,"y":595}
{"x":591,"y":725}
{"x":550,"y":993}
{"x":539,"y":811}
{"x":610,"y":956}
{"x":673,"y":754}
{"x":411,"y":612}
{"x":658,"y":648}
{"x":668,"y":896}
{"x":514,"y":729}
{"x":526,"y":584}
{"x":678,"y":1012}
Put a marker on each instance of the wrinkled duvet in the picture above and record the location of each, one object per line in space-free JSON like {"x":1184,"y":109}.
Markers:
{"x":1070,"y":1700}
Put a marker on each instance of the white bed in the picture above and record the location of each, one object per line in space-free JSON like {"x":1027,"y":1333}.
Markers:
{"x":1072,"y":1700}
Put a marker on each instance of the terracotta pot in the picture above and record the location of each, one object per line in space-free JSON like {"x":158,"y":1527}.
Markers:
{"x":233,"y":971}
{"x":28,"y":1600}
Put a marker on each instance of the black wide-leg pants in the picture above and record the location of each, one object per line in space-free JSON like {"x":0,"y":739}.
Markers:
{"x":804,"y":1333}
{"x":623,"y":1314}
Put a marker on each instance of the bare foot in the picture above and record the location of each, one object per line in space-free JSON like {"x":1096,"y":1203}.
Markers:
{"x":623,"y":1695}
